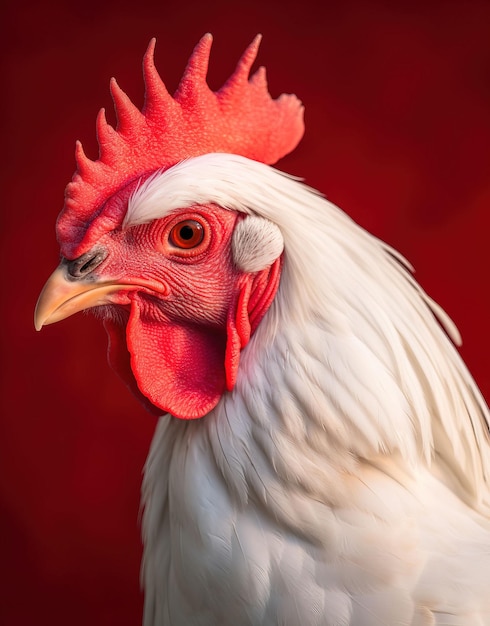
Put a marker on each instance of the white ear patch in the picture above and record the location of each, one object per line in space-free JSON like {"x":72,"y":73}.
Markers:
{"x":256,"y":244}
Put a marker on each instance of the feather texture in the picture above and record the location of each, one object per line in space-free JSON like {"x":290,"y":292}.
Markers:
{"x":346,"y":478}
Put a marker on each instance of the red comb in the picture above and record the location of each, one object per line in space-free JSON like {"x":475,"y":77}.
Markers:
{"x":240,"y":118}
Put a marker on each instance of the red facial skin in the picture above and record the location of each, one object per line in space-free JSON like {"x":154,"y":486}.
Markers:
{"x":176,"y":337}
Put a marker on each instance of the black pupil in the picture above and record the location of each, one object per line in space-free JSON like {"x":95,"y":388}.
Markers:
{"x":186,"y":232}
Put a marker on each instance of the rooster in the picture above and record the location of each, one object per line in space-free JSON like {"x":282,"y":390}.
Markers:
{"x":324,"y":456}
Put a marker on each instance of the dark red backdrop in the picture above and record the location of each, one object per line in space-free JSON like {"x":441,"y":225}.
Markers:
{"x":397,"y":102}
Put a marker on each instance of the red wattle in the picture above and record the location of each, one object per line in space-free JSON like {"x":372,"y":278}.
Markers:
{"x":182,"y":368}
{"x":120,"y":360}
{"x":255,"y":295}
{"x":177,"y":366}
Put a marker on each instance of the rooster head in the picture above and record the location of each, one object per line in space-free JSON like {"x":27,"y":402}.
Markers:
{"x":180,"y":281}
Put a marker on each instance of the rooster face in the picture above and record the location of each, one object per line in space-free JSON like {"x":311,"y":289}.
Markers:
{"x":180,"y":279}
{"x":178,"y":299}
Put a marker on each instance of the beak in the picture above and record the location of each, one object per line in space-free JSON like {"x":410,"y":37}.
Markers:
{"x":62,"y":297}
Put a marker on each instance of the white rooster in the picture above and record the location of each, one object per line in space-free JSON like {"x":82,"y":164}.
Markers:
{"x":325,"y":457}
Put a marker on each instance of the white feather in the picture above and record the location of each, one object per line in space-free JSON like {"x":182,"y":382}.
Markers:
{"x":345,"y":480}
{"x":256,"y":244}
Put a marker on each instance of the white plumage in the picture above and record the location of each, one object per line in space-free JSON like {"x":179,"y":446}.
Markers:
{"x":345,"y":479}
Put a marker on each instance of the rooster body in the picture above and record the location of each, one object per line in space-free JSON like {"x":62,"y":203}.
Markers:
{"x":344,"y":479}
{"x":331,"y":466}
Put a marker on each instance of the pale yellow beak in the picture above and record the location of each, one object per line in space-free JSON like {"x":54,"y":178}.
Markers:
{"x":61,"y":297}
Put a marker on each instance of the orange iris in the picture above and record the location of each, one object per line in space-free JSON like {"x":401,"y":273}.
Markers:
{"x":187,"y":234}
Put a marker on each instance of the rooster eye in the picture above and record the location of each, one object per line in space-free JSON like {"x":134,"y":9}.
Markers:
{"x":187,"y":234}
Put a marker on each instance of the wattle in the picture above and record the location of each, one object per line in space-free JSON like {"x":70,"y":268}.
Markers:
{"x":170,"y":366}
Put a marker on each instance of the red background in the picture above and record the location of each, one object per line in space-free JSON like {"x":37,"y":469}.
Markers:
{"x":397,"y":99}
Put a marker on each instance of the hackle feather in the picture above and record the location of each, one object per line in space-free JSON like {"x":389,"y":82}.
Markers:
{"x":354,"y":427}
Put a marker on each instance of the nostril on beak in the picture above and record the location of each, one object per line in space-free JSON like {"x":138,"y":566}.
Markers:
{"x":85,"y":264}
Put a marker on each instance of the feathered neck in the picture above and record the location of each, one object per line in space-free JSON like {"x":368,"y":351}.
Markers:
{"x":349,"y":376}
{"x":350,"y":363}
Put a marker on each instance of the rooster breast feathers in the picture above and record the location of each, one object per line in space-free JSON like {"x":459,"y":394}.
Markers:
{"x":346,"y":475}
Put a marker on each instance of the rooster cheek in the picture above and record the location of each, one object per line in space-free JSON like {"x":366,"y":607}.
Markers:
{"x":200,"y":300}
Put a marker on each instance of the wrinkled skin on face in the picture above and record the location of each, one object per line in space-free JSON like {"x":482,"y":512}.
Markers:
{"x":176,"y":307}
